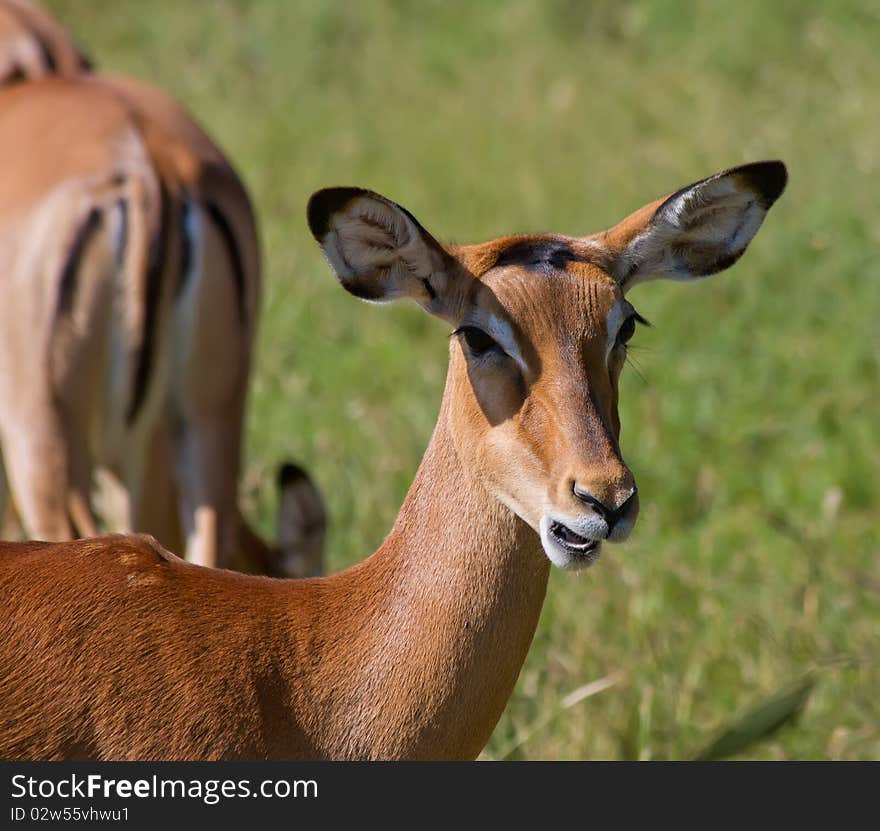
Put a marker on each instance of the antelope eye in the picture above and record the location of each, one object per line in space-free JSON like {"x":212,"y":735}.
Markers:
{"x":479,"y":343}
{"x":626,"y":331}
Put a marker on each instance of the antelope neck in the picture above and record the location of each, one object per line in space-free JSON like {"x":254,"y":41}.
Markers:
{"x":438,"y":620}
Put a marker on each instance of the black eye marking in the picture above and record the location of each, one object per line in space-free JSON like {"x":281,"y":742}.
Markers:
{"x":628,"y":329}
{"x":478,"y":342}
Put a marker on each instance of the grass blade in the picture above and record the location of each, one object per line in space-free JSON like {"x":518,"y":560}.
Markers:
{"x":760,"y":722}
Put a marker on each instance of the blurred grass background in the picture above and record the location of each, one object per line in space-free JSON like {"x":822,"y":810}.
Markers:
{"x":752,"y":424}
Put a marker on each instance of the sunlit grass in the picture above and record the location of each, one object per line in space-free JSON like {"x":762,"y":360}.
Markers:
{"x":753,"y":430}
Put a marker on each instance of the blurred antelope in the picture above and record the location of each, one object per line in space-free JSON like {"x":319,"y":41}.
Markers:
{"x":129,"y":257}
{"x":113,"y":648}
{"x":33,"y":45}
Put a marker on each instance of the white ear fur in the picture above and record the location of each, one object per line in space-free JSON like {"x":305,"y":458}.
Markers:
{"x":703,"y":228}
{"x":377,"y":249}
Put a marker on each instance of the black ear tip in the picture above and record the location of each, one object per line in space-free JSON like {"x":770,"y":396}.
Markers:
{"x":769,"y":178}
{"x":291,"y":474}
{"x":324,"y":203}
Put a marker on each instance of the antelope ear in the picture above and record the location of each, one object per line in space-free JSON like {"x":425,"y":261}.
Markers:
{"x":699,"y":230}
{"x":379,"y":250}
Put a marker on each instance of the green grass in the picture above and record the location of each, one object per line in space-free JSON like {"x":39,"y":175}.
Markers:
{"x":754,"y":429}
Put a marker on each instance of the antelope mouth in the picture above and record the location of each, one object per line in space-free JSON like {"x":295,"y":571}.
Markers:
{"x":568,"y":549}
{"x":573,"y":543}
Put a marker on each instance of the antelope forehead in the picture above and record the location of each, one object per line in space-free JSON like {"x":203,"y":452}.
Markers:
{"x":574,"y":305}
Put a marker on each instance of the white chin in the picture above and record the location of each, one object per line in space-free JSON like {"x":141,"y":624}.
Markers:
{"x":568,"y":558}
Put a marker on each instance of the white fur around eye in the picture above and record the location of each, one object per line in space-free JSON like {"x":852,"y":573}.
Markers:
{"x":618,"y":313}
{"x":502,"y":332}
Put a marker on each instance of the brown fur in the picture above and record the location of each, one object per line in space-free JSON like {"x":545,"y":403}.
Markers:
{"x":118,"y":376}
{"x":113,"y":649}
{"x":33,"y":45}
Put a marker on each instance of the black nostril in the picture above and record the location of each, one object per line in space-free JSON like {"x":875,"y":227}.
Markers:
{"x":622,"y":508}
{"x":585,"y":496}
{"x":610,"y":515}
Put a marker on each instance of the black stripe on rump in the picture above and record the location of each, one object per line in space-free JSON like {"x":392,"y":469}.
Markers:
{"x":157,"y":257}
{"x":225,"y":229}
{"x":122,"y":239}
{"x":186,"y":249}
{"x":46,"y":52}
{"x":15,"y":77}
{"x":70,"y":272}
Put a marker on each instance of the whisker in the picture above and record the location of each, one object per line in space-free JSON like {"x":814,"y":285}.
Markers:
{"x":631,"y":361}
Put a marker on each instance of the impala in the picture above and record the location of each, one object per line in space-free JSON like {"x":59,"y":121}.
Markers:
{"x":33,"y":44}
{"x":130,"y":266}
{"x":113,"y":648}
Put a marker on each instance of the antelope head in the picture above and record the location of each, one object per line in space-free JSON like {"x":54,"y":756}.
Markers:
{"x":541,"y":327}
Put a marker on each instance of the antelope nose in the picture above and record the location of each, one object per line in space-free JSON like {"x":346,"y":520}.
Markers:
{"x":611,"y":515}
